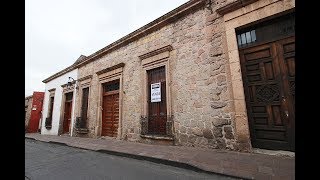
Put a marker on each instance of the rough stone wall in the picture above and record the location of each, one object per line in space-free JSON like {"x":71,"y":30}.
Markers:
{"x":92,"y":103}
{"x":28,"y":107}
{"x":200,"y":81}
{"x":201,"y":91}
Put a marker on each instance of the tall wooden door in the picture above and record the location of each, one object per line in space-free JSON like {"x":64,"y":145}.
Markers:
{"x":157,"y":110}
{"x":67,"y":117}
{"x":110,"y":112}
{"x":268,"y":72}
{"x":67,"y":112}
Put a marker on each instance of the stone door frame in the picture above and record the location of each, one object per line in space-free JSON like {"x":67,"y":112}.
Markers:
{"x":107,"y":75}
{"x":235,"y":19}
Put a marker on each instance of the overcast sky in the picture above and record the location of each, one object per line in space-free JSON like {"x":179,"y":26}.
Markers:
{"x":57,"y":32}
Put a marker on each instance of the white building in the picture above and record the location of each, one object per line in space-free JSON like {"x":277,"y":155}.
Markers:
{"x":59,"y":101}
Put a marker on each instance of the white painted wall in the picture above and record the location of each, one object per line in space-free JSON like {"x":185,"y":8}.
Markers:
{"x":56,"y":83}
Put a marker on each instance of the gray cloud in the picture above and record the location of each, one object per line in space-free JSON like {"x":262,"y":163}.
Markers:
{"x":58,"y":32}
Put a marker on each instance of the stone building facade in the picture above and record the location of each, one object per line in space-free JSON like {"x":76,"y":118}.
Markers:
{"x":193,"y":53}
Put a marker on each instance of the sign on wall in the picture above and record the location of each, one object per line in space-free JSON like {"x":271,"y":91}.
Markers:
{"x":156,"y":92}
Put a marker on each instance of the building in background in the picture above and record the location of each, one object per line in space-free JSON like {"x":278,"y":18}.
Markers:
{"x":33,"y":110}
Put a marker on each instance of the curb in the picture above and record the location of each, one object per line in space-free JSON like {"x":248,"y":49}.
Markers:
{"x":59,"y":143}
{"x":30,"y":138}
{"x":165,"y":162}
{"x":148,"y":158}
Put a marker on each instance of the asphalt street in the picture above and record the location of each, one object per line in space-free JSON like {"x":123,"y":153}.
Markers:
{"x":54,"y":161}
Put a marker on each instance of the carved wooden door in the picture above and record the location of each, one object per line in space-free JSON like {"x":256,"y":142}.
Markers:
{"x":268,"y":72}
{"x":157,"y":110}
{"x":110,"y":112}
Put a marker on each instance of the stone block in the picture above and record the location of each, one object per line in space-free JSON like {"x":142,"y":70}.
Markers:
{"x":228,"y":132}
{"x":221,"y":143}
{"x":218,"y":104}
{"x":207,"y":133}
{"x":217,"y":132}
{"x":183,"y":129}
{"x":221,"y":80}
{"x":197,"y":131}
{"x":218,"y":122}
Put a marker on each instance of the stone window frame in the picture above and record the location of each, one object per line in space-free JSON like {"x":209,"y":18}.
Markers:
{"x":238,"y":18}
{"x":151,"y":60}
{"x":84,"y":82}
{"x":106,"y":75}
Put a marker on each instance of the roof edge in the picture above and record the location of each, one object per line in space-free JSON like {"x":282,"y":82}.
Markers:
{"x":142,"y":31}
{"x":234,"y":6}
{"x":60,"y":73}
{"x":146,"y":29}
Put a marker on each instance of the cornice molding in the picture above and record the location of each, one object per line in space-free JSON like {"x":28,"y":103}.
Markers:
{"x":52,"y":89}
{"x":155,"y":52}
{"x":234,"y":6}
{"x":60,"y":73}
{"x":64,"y":85}
{"x":110,"y":68}
{"x":85,"y":78}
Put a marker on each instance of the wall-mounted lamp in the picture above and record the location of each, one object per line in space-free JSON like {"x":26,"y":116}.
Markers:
{"x":70,"y":82}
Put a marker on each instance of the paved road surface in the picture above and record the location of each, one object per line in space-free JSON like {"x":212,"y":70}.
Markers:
{"x":53,"y":161}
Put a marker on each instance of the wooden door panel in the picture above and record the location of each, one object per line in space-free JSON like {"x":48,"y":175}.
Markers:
{"x":110,"y":114}
{"x":258,"y":54}
{"x":287,"y":63}
{"x":265,"y":89}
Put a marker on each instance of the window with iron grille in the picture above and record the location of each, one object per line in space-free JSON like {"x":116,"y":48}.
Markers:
{"x":247,"y":37}
{"x":266,"y":30}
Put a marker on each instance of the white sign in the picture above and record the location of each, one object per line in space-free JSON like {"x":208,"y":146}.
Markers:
{"x":156,"y":92}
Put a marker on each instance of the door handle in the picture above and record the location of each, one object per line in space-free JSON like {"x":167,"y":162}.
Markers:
{"x":286,"y":113}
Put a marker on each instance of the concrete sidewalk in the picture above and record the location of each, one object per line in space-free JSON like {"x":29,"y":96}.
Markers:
{"x":242,"y":165}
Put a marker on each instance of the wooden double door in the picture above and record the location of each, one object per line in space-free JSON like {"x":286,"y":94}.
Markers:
{"x":268,"y":72}
{"x":110,"y":109}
